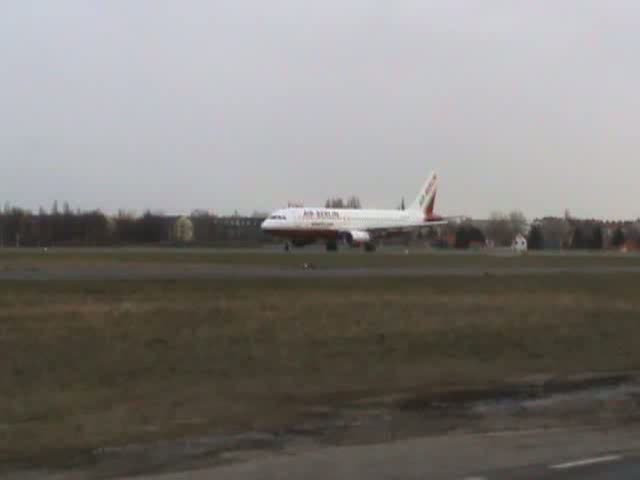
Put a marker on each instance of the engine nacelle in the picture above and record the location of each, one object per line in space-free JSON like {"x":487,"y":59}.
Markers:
{"x":356,"y":238}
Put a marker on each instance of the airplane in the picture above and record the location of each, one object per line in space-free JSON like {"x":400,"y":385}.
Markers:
{"x":353,"y":227}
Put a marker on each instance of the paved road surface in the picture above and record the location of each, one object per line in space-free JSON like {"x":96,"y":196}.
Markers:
{"x":610,"y":466}
{"x":548,"y":455}
{"x":585,"y":454}
{"x":212,"y":271}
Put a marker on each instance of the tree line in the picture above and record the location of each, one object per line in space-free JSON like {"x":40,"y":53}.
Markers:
{"x":585,"y":236}
{"x":19,"y":227}
{"x":64,"y":226}
{"x":67,"y":227}
{"x":549,"y":233}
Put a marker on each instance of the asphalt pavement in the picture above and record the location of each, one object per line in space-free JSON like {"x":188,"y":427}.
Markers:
{"x":611,"y":466}
{"x":160,"y":271}
{"x":559,"y":454}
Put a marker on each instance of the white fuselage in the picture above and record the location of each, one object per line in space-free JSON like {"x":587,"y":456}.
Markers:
{"x":327,"y":221}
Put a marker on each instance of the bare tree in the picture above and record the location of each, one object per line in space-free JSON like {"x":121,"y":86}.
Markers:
{"x":597,"y":238}
{"x":199,"y":212}
{"x":259,"y":214}
{"x":633,"y":232}
{"x":555,"y":232}
{"x":336,"y":202}
{"x":502,"y":228}
{"x":499,"y":229}
{"x":535,"y":239}
{"x":517,"y":223}
{"x":579,"y":239}
{"x":353,"y":202}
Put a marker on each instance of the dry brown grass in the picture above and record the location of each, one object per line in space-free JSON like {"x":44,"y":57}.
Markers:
{"x":88,"y":364}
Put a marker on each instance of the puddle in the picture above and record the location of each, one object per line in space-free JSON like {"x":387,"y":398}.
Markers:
{"x":594,"y":396}
{"x":523,"y":394}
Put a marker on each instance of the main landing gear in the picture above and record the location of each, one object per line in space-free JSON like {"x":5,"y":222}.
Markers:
{"x":332,"y":246}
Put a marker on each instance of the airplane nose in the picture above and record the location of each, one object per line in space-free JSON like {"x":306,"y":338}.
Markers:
{"x":265,"y":225}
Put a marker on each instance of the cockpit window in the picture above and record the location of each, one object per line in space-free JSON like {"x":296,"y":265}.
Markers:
{"x":277,"y":217}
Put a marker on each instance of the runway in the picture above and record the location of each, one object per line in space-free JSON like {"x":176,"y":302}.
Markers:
{"x":553,"y":454}
{"x":525,"y":455}
{"x":159,"y":271}
{"x":607,"y":466}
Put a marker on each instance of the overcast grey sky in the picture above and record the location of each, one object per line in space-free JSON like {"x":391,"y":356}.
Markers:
{"x":225,"y":104}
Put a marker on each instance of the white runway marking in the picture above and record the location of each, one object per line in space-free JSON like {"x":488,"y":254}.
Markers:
{"x":586,"y":462}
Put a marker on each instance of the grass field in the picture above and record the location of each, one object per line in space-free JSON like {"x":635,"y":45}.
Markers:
{"x":89,"y":364}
